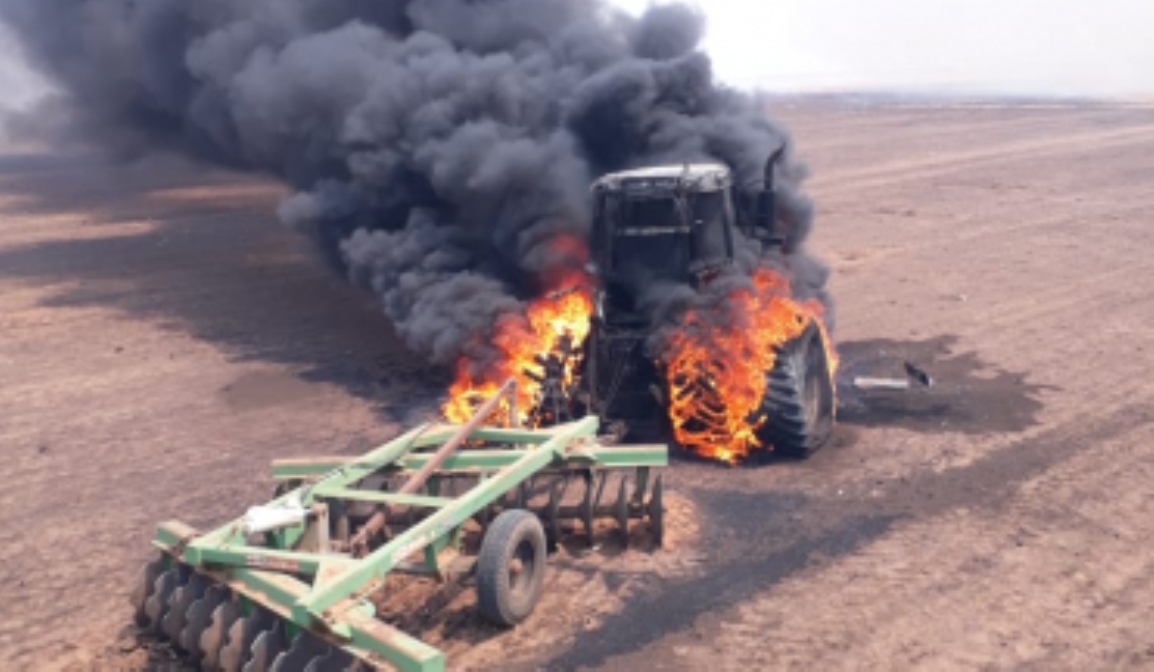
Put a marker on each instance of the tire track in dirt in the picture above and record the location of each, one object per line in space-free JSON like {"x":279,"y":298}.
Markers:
{"x":1041,"y":582}
{"x":943,"y":163}
{"x":910,"y":130}
{"x":759,"y":555}
{"x":890,"y":526}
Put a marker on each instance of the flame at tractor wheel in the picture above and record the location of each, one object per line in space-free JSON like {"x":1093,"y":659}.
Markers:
{"x":717,"y":365}
{"x":550,"y":333}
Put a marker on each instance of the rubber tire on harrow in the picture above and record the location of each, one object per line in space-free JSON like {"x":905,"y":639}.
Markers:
{"x":799,"y":400}
{"x":506,"y":597}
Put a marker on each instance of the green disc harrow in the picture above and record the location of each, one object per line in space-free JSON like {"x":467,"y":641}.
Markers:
{"x":290,"y":585}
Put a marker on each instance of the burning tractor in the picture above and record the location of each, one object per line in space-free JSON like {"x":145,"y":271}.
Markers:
{"x":741,"y":366}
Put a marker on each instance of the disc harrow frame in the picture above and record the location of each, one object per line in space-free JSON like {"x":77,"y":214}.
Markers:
{"x":309,"y":581}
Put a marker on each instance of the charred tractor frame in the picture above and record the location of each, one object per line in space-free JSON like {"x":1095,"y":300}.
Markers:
{"x":680,"y":224}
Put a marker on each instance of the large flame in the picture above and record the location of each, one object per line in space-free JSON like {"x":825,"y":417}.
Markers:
{"x":716,"y":365}
{"x":554,"y":327}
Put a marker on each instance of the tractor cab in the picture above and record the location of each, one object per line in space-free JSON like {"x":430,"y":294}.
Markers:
{"x":655,"y":227}
{"x":670,"y":223}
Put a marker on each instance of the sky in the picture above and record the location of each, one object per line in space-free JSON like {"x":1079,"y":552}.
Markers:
{"x":1081,"y":48}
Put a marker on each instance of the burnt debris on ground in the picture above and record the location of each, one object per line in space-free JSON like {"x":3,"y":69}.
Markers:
{"x":968,"y":394}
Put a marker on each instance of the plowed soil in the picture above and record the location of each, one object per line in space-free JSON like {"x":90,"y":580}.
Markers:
{"x":162,"y":338}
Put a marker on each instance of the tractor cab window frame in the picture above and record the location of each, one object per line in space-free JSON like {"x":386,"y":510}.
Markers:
{"x":694,"y":233}
{"x":712,"y":234}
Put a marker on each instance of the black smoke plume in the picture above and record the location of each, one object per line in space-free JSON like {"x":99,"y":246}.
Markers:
{"x":434,"y":147}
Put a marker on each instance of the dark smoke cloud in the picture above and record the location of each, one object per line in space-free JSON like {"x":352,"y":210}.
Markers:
{"x":434,"y":147}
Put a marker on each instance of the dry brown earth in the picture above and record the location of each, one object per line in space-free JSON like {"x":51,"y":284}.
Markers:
{"x":162,"y":338}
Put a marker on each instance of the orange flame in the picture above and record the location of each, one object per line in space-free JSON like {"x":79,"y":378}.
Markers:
{"x":716,"y":365}
{"x":555,"y":325}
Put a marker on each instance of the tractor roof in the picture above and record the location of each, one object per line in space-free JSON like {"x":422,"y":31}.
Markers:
{"x":688,"y":176}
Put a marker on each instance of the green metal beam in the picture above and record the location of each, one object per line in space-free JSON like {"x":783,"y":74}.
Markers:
{"x":407,"y":653}
{"x":441,"y":433}
{"x":426,"y":436}
{"x":362,"y":467}
{"x":618,"y":456}
{"x":377,"y":565}
{"x":257,"y":558}
{"x":526,"y":437}
{"x":289,"y":470}
{"x":421,"y":501}
{"x":472,"y":461}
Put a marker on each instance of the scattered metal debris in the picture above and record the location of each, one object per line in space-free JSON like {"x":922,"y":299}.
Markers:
{"x":915,"y":376}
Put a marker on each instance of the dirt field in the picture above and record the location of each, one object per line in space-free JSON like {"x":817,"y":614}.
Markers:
{"x":162,"y":338}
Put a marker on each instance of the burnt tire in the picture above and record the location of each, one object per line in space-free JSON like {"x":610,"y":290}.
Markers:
{"x":511,"y":568}
{"x":799,"y":400}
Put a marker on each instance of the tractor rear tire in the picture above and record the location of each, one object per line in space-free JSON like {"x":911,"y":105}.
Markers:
{"x":511,"y":568}
{"x":799,"y":400}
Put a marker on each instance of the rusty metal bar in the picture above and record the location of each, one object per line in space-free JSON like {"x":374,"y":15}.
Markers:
{"x":416,"y":482}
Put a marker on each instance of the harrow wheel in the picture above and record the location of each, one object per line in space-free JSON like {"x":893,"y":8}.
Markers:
{"x":511,"y":568}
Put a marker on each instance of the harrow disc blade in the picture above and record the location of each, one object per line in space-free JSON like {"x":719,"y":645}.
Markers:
{"x":178,"y":605}
{"x":233,"y":651}
{"x":588,"y":504}
{"x":334,"y":661}
{"x":642,"y":478}
{"x":197,"y":619}
{"x":156,"y":606}
{"x":621,"y":510}
{"x":214,"y":636}
{"x":143,"y":590}
{"x":484,"y":517}
{"x":265,"y":649}
{"x":553,"y":513}
{"x":241,"y":636}
{"x":656,"y":512}
{"x":302,"y":652}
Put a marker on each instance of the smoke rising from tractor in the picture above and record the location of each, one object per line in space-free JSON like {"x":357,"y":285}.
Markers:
{"x":436,"y":150}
